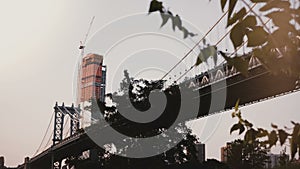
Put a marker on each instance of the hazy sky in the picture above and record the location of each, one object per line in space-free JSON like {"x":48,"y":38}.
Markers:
{"x":39,"y":50}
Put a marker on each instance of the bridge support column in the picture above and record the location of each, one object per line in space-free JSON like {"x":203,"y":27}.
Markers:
{"x":2,"y":163}
{"x":58,"y":125}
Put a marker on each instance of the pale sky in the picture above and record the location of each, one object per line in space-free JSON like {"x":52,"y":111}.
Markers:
{"x":39,"y":51}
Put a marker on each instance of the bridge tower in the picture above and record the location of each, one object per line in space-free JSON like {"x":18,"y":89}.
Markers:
{"x":60,"y":112}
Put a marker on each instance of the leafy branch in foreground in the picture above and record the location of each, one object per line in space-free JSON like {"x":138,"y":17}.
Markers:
{"x":277,"y":48}
{"x":167,"y":15}
{"x":265,"y":137}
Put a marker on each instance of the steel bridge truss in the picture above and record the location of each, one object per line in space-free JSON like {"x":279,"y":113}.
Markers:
{"x":60,"y":112}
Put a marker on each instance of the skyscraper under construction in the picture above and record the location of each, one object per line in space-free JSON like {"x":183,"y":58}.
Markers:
{"x":93,"y":78}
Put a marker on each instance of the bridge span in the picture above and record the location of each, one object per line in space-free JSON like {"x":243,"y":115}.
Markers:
{"x":258,"y":86}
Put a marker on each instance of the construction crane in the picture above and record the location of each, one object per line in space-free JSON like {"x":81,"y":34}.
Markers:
{"x":81,"y":48}
{"x":82,"y":43}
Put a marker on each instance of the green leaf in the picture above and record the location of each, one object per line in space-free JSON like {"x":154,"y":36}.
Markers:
{"x":276,"y":4}
{"x":237,"y":34}
{"x":235,"y":127}
{"x":201,"y":57}
{"x":238,"y":126}
{"x":293,"y":148}
{"x":274,"y":126}
{"x":185,"y":32}
{"x":155,"y":6}
{"x":262,"y":133}
{"x":249,"y":21}
{"x":233,"y":114}
{"x":205,"y":53}
{"x":176,"y":22}
{"x":237,"y":16}
{"x":280,"y":18}
{"x":250,"y":136}
{"x":239,"y":30}
{"x":282,"y":136}
{"x":223,"y":3}
{"x":204,"y":41}
{"x":239,"y":63}
{"x":248,"y":124}
{"x":198,"y":61}
{"x":295,"y":134}
{"x":239,"y":114}
{"x":215,"y":55}
{"x":273,"y":138}
{"x":264,"y":143}
{"x":242,"y":129}
{"x":192,"y":34}
{"x":258,"y":36}
{"x":209,"y":51}
{"x":165,"y":18}
{"x":232,"y":4}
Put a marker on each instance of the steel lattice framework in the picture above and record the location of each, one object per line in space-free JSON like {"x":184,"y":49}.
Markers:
{"x":60,"y":112}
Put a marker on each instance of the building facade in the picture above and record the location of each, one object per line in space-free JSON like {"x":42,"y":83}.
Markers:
{"x":200,"y":148}
{"x":224,"y":153}
{"x":272,"y":161}
{"x":93,"y":78}
{"x":92,"y":86}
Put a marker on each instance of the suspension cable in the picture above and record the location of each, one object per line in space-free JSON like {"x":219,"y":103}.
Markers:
{"x":236,"y":50}
{"x":220,"y":40}
{"x":44,"y":135}
{"x":190,"y":51}
{"x":48,"y":141}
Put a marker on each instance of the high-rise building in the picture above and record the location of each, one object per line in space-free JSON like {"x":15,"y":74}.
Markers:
{"x":93,"y":78}
{"x":200,"y":148}
{"x":224,"y":152}
{"x":274,"y":160}
{"x":92,"y":83}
